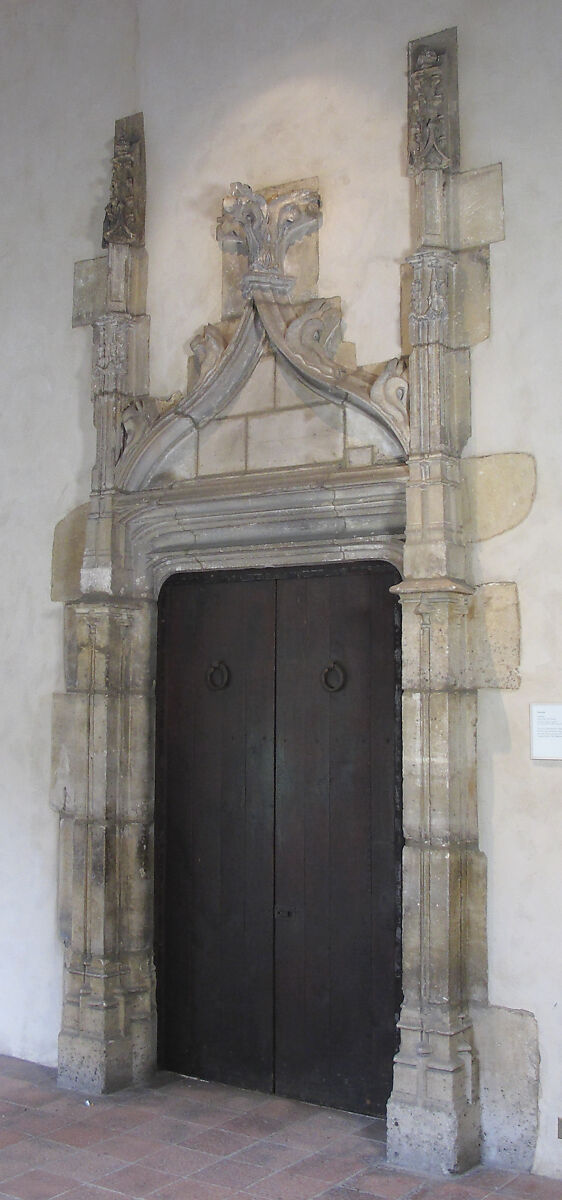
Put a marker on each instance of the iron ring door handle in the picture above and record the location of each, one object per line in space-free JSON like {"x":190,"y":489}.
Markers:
{"x":218,"y":677}
{"x":333,"y":677}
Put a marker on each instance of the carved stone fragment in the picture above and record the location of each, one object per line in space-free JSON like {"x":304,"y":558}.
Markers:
{"x":124,"y":214}
{"x":433,"y":117}
{"x":263,"y":231}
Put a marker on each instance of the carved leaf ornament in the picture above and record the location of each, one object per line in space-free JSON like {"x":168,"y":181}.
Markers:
{"x":305,"y":336}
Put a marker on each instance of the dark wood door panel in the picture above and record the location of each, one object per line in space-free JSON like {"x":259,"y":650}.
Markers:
{"x":217,"y":977}
{"x":335,"y":763}
{"x":277,"y":834}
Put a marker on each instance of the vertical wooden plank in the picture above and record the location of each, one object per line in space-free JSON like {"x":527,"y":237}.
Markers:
{"x":219,"y":792}
{"x":336,"y":856}
{"x":302,"y":884}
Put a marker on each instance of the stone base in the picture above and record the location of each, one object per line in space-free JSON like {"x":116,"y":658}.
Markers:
{"x":87,"y":1064}
{"x":430,"y":1139}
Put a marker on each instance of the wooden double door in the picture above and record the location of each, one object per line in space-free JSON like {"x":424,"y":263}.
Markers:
{"x":278,"y":831}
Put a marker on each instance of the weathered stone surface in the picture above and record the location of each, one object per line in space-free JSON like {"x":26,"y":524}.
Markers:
{"x":494,"y":637}
{"x":476,"y":207}
{"x":498,"y":493}
{"x":90,"y":290}
{"x":507,"y":1045}
{"x":433,"y":103}
{"x":68,"y":551}
{"x":300,"y":257}
{"x":127,"y":278}
{"x":258,"y":394}
{"x":295,"y":437}
{"x":125,"y":212}
{"x":222,"y":447}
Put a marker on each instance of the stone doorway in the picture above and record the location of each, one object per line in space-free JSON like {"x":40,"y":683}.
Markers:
{"x":281,"y":450}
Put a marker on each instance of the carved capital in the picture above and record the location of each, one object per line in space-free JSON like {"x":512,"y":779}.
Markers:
{"x":110,"y":355}
{"x":263,"y":230}
{"x":429,"y":311}
{"x":433,"y":120}
{"x":124,"y":215}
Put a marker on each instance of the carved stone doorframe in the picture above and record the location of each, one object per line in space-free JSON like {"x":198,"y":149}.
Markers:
{"x":143,"y":524}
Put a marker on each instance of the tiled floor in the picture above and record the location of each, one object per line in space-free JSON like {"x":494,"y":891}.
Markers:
{"x":186,"y":1140}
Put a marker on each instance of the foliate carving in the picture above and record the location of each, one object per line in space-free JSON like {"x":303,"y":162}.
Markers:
{"x":124,"y":215}
{"x":208,"y":348}
{"x":429,"y":312}
{"x":313,"y":336}
{"x":433,"y":126}
{"x":136,"y":418}
{"x":390,"y":393}
{"x":263,"y":230}
{"x":110,"y":355}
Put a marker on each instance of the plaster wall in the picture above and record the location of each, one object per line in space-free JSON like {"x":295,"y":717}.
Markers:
{"x":267,"y":94}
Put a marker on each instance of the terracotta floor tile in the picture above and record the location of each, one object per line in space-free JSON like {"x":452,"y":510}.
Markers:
{"x":218,"y":1141}
{"x":129,"y":1147}
{"x":227,"y":1143}
{"x":332,"y":1167}
{"x":272,"y":1154}
{"x":194,"y":1189}
{"x":233,"y":1173}
{"x":85,"y":1166}
{"x":88,"y":1192}
{"x":34,"y":1120}
{"x":286,"y":1185}
{"x":179,"y":1160}
{"x":388,"y":1184}
{"x":79,"y":1134}
{"x":136,"y":1180}
{"x":452,"y":1190}
{"x":531,"y":1187}
{"x":488,"y":1178}
{"x":8,"y":1137}
{"x":166,"y":1129}
{"x":38,"y":1185}
{"x":255,"y":1125}
{"x":279,"y":1106}
{"x":29,"y":1152}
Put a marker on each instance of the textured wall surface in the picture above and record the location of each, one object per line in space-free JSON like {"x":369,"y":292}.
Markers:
{"x":267,"y":94}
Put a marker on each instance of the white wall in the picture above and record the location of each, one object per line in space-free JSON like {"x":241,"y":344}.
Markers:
{"x":265,"y":93}
{"x":66,"y":71}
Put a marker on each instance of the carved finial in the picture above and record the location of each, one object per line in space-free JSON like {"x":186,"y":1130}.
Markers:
{"x":433,"y":104}
{"x":124,"y":215}
{"x":263,"y":230}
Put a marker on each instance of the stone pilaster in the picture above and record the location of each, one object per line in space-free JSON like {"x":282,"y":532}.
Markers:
{"x":104,"y":723}
{"x":103,"y":787}
{"x":433,"y":1114}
